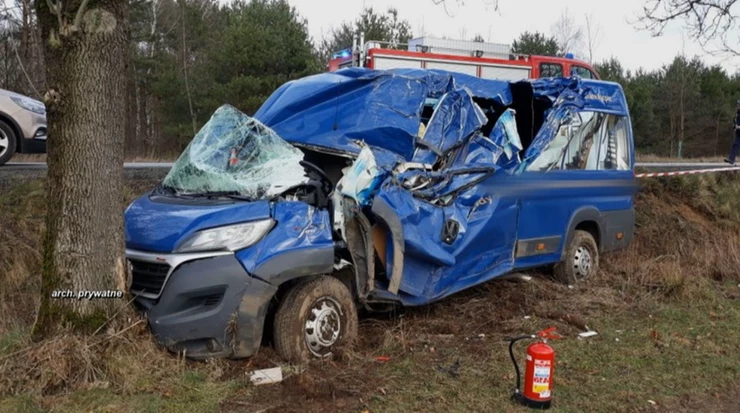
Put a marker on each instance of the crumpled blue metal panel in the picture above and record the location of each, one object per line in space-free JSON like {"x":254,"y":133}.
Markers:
{"x":333,"y":110}
{"x":440,"y":82}
{"x":381,"y":108}
{"x":456,"y":117}
{"x":447,"y":183}
{"x":480,"y":250}
{"x":587,"y":94}
{"x":299,"y":226}
{"x":457,"y":225}
{"x":501,"y":147}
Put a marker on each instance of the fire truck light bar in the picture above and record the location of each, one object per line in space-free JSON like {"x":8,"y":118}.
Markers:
{"x":342,"y":54}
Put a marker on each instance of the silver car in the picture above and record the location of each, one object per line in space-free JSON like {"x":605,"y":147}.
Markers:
{"x":22,"y":125}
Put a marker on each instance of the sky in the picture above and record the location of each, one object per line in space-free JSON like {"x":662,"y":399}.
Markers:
{"x":619,"y":37}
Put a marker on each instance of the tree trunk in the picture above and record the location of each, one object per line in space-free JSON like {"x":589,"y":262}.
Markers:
{"x":83,"y":244}
{"x":131,"y":148}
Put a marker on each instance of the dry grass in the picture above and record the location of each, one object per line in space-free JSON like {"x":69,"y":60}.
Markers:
{"x":646,"y":157}
{"x":668,"y":300}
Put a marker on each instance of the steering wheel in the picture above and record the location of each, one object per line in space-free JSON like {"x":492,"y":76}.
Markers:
{"x":318,"y":170}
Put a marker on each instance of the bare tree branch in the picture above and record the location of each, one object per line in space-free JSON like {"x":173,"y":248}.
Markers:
{"x":493,"y":3}
{"x":568,"y":33}
{"x":80,"y":13}
{"x":707,"y":21}
{"x":56,"y":8}
{"x":593,"y":37}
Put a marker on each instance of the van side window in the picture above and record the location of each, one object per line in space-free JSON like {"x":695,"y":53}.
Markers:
{"x":582,"y":152}
{"x":615,"y":145}
{"x":551,"y":156}
{"x":551,"y":70}
{"x":587,"y":141}
{"x":581,"y":72}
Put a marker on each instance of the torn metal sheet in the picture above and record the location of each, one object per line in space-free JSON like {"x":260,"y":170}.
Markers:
{"x":336,"y":110}
{"x":505,"y":136}
{"x":380,"y":108}
{"x":302,"y":243}
{"x":456,"y":117}
{"x":587,"y":94}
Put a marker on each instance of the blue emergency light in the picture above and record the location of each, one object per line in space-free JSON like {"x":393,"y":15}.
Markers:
{"x":342,"y":54}
{"x":570,"y":56}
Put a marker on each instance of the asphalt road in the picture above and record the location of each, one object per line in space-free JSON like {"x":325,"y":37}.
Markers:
{"x":167,"y":165}
{"x":127,"y":165}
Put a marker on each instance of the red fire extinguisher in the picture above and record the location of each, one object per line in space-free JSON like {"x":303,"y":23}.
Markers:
{"x":538,"y":374}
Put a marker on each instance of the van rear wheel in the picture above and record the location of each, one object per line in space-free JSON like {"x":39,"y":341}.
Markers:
{"x":580,"y":259}
{"x":314,"y":318}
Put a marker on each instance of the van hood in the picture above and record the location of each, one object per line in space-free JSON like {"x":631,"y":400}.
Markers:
{"x":161,"y":225}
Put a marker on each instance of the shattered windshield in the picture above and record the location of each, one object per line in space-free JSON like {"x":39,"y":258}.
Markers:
{"x":234,"y":154}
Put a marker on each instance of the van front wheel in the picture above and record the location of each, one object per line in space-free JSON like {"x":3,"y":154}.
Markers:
{"x":580,"y":259}
{"x":315,"y":317}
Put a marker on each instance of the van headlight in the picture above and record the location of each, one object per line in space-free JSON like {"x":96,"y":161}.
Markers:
{"x":29,"y":104}
{"x":231,"y":237}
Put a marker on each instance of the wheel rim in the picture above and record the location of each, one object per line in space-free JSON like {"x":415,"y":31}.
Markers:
{"x":4,"y":143}
{"x":323,"y":326}
{"x":582,"y":263}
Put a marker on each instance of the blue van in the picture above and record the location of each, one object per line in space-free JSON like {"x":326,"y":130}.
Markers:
{"x":369,"y":189}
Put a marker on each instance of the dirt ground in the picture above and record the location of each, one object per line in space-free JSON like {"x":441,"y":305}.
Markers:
{"x":666,"y":312}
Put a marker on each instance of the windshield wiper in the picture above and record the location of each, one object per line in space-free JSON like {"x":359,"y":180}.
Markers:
{"x":219,"y":194}
{"x":163,"y":189}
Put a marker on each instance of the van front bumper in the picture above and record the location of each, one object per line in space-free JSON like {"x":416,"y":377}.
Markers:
{"x":205,"y":306}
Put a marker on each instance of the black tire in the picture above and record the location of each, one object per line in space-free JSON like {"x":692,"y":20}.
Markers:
{"x":580,"y":259}
{"x":7,"y":135}
{"x":323,"y":301}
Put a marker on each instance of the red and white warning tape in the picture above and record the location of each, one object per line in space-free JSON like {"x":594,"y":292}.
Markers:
{"x":691,"y":172}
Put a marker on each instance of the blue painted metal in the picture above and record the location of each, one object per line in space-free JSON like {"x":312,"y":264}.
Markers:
{"x":299,"y":227}
{"x":479,"y":184}
{"x":161,"y":227}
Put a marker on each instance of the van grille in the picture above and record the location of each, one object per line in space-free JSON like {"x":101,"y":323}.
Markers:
{"x":148,"y":277}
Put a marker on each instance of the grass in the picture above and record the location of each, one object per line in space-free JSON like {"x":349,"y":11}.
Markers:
{"x":646,"y":157}
{"x":666,"y":312}
{"x":618,"y":370}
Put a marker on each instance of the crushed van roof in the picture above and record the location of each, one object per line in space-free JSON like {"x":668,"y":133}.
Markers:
{"x":383,"y":108}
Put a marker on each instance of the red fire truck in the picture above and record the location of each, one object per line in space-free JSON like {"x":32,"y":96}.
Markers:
{"x":485,"y":60}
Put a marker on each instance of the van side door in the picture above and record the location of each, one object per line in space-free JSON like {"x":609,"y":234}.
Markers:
{"x":582,"y":179}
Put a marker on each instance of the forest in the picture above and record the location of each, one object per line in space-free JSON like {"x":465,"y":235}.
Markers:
{"x":185,"y":58}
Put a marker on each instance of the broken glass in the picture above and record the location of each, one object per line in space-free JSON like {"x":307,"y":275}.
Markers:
{"x":236,"y":154}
